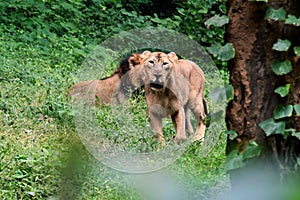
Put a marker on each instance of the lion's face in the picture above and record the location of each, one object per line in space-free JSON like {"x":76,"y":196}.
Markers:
{"x":158,"y":67}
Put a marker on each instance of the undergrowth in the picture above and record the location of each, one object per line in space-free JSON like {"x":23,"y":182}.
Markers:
{"x":42,"y":156}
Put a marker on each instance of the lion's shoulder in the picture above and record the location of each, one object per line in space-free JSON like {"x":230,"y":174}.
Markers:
{"x":188,"y":65}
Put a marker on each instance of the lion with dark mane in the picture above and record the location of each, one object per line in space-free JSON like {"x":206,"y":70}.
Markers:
{"x":95,"y":92}
{"x":173,"y":87}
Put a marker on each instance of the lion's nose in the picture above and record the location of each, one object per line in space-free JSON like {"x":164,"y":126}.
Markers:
{"x":157,"y":76}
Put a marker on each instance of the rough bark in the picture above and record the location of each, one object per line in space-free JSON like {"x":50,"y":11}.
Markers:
{"x":254,"y":81}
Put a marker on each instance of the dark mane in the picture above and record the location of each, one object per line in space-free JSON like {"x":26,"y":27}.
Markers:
{"x":122,"y":69}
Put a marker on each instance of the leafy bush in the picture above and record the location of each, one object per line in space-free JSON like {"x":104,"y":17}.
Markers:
{"x":74,"y":25}
{"x":42,"y":45}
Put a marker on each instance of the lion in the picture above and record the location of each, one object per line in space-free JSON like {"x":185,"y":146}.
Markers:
{"x":96,"y":92}
{"x":131,"y":82}
{"x":172,"y":87}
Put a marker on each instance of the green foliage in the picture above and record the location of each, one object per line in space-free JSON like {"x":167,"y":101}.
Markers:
{"x":229,"y":92}
{"x":78,"y":26}
{"x":234,"y":161}
{"x":252,"y":150}
{"x":80,"y":23}
{"x":291,"y":19}
{"x":296,"y":134}
{"x":282,"y":45}
{"x":74,"y":25}
{"x":270,"y":126}
{"x":237,"y":160}
{"x":38,"y":130}
{"x":42,"y":45}
{"x":232,"y":134}
{"x":217,"y":20}
{"x":33,"y":113}
{"x":222,"y":53}
{"x":221,"y":94}
{"x":281,"y":68}
{"x":282,"y":123}
{"x":275,"y":14}
{"x":219,"y":51}
{"x":280,"y":14}
{"x":283,"y":111}
{"x":297,"y":50}
{"x":283,"y":90}
{"x":297,"y":109}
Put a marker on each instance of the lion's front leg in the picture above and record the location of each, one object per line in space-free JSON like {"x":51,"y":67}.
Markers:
{"x":197,"y":105}
{"x":118,"y":96}
{"x":179,"y":123}
{"x":156,"y":126}
{"x":200,"y":131}
{"x":188,"y":124}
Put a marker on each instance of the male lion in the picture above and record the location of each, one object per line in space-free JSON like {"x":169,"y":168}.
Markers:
{"x":100,"y":91}
{"x":132,"y":81}
{"x":172,"y":87}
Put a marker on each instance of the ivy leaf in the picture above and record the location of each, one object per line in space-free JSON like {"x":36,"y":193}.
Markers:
{"x":234,"y":160}
{"x":280,"y":68}
{"x":270,"y":126}
{"x":297,"y":109}
{"x":283,"y":111}
{"x":296,"y":134}
{"x":217,"y":20}
{"x":253,"y":143}
{"x":229,"y":92}
{"x":288,"y":132}
{"x":282,"y":45}
{"x":291,"y":19}
{"x":251,"y":151}
{"x":273,"y":14}
{"x":283,"y":90}
{"x":298,"y":160}
{"x":232,"y":134}
{"x":297,"y":50}
{"x":222,"y":53}
{"x":181,"y":11}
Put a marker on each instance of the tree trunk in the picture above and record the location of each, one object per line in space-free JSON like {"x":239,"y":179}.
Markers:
{"x":254,"y":81}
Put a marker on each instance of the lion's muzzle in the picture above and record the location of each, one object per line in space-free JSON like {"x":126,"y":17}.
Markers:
{"x":157,"y":83}
{"x":156,"y":86}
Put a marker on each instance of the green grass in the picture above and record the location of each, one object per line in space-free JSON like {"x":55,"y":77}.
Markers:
{"x":42,"y":157}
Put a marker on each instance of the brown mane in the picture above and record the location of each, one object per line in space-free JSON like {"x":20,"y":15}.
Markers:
{"x":93,"y":92}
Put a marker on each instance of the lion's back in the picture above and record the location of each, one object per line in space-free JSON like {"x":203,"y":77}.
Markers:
{"x":191,"y":71}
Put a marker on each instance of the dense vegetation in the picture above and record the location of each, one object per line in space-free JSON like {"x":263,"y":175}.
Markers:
{"x":42,"y":45}
{"x":76,"y":25}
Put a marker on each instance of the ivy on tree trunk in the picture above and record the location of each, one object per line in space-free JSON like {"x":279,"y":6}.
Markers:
{"x":254,"y":81}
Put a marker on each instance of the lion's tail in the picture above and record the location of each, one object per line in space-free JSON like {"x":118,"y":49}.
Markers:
{"x":206,"y":110}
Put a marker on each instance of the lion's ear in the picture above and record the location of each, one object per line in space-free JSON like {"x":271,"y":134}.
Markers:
{"x":134,"y":60}
{"x":145,"y":54}
{"x":172,"y":56}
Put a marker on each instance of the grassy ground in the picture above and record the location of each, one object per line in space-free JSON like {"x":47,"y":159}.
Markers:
{"x":42,"y":157}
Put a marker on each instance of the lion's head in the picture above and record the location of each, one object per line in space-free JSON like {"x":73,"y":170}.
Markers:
{"x":158,"y":67}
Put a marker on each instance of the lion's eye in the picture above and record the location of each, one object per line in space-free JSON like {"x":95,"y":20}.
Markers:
{"x":165,"y":63}
{"x":151,"y":61}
